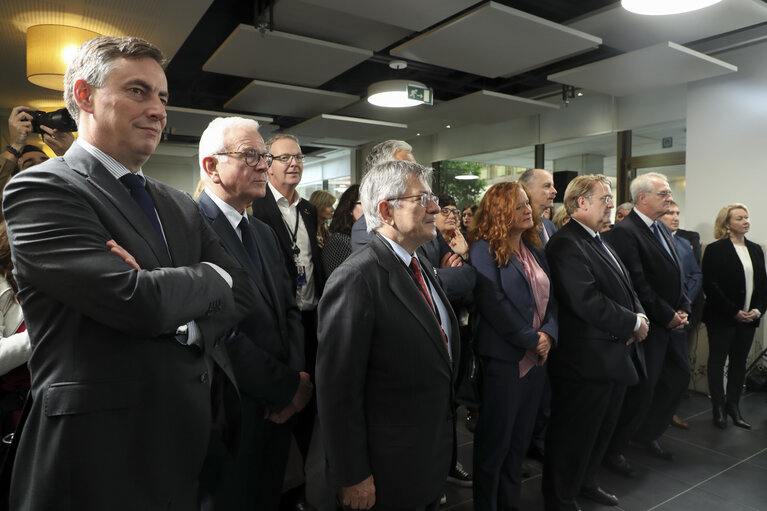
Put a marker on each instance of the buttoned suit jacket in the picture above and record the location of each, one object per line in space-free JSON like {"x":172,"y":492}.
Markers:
{"x":656,"y":275}
{"x":597,"y":311}
{"x":121,"y":412}
{"x":266,"y":361}
{"x":385,"y":380}
{"x":692,"y":276}
{"x":694,"y":239}
{"x":506,"y":306}
{"x":266,"y":210}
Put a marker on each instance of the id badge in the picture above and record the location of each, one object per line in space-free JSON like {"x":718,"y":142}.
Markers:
{"x":301,"y":281}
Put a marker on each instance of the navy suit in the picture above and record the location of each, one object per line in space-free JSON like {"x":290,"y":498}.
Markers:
{"x":659,"y":282}
{"x":267,"y":355}
{"x":506,"y":306}
{"x":591,"y":365}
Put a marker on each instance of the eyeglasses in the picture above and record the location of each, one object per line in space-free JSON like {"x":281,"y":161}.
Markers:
{"x":424,"y":198}
{"x":607,"y":199}
{"x":449,"y":211}
{"x":285,"y":158}
{"x":664,"y":193}
{"x":251,"y":157}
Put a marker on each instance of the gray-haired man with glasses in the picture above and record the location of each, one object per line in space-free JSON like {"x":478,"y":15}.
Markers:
{"x":388,"y":349}
{"x":294,"y":220}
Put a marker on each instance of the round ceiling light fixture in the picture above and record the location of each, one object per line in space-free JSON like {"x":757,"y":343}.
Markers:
{"x":392,"y":94}
{"x":466,"y":177}
{"x":665,"y":7}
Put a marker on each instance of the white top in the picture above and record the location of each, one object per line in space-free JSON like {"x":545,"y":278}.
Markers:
{"x":306,"y":298}
{"x":748,"y":270}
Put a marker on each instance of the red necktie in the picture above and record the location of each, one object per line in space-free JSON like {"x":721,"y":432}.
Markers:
{"x":425,"y":293}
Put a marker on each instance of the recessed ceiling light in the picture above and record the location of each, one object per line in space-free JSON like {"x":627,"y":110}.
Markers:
{"x":392,"y":94}
{"x":664,"y":7}
{"x":466,"y":177}
{"x":448,"y":126}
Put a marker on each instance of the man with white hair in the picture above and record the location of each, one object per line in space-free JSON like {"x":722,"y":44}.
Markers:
{"x":388,"y":346}
{"x":267,"y":351}
{"x":646,"y":246}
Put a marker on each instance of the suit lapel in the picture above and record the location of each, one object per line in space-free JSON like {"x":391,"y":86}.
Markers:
{"x":406,"y":290}
{"x":275,"y":219}
{"x":99,"y":177}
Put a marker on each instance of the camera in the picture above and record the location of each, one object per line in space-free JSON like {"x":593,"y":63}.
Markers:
{"x":57,"y":120}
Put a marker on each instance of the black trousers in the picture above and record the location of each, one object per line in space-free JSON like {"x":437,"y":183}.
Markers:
{"x":506,"y":419}
{"x":733,"y":342}
{"x":583,"y":418}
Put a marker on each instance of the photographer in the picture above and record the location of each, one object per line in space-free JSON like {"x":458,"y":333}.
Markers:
{"x":17,"y":151}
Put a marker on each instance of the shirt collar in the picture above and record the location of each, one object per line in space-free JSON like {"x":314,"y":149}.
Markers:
{"x":646,"y":219}
{"x":400,"y":251}
{"x":232,"y":215}
{"x":589,"y":230}
{"x":114,"y":167}
{"x":281,"y":198}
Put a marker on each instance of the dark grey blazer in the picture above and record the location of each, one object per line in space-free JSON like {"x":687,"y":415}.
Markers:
{"x":385,"y":380}
{"x":122,"y":411}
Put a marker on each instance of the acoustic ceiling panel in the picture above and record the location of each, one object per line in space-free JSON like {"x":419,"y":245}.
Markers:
{"x":290,"y":100}
{"x":282,"y":57}
{"x":487,"y":107}
{"x":413,"y":15}
{"x":495,"y":40}
{"x":344,"y":131}
{"x":657,"y":66}
{"x":310,"y":20}
{"x":192,"y":122}
{"x":628,"y":31}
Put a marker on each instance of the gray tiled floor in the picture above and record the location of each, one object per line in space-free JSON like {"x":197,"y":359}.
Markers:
{"x":714,"y":470}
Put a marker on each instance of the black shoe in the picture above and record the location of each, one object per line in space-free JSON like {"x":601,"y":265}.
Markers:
{"x":620,"y":465}
{"x":459,"y":476}
{"x":733,"y":410}
{"x":659,"y":452}
{"x":599,"y":496}
{"x":302,"y":505}
{"x":471,"y":420}
{"x":535,"y":453}
{"x":720,"y":419}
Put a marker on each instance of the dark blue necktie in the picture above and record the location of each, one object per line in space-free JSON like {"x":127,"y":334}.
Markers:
{"x":137,"y":186}
{"x":660,"y":237}
{"x":250,"y":246}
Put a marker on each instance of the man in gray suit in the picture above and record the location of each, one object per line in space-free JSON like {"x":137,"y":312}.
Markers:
{"x":267,"y":351}
{"x":387,"y":348}
{"x":125,"y":292}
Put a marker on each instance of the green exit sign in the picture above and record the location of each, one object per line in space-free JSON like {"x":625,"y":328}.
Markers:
{"x":422,"y":94}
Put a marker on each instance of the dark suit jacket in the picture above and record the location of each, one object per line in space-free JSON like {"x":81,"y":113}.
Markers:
{"x":267,"y":211}
{"x":550,"y":228}
{"x":506,"y":305}
{"x":267,"y":349}
{"x":694,"y":239}
{"x":458,"y":283}
{"x":656,"y":275}
{"x":724,"y":283}
{"x":597,"y":311}
{"x":693,"y":277}
{"x":122,"y":412}
{"x":385,"y":380}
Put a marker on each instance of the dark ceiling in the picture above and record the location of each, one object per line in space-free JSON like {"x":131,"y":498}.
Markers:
{"x":195,"y":88}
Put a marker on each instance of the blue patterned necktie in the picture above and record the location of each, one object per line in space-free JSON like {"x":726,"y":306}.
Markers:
{"x":660,"y":237}
{"x":137,"y":186}
{"x":250,"y":246}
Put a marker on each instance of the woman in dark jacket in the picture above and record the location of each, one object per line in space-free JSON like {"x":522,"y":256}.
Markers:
{"x":338,"y":245}
{"x":517,"y":326}
{"x":735,"y":284}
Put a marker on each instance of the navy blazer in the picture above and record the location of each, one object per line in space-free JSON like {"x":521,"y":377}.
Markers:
{"x":504,"y":299}
{"x":693,"y":277}
{"x":724,"y":283}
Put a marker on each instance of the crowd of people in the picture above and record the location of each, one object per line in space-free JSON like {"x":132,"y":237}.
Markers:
{"x":173,"y":348}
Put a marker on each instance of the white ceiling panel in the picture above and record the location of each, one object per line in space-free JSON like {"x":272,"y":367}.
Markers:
{"x":641,"y":70}
{"x":494,"y":40}
{"x":310,"y":20}
{"x":414,"y":15}
{"x":628,"y":31}
{"x":487,"y":107}
{"x":280,"y":99}
{"x":366,"y":110}
{"x":344,"y":131}
{"x":281,"y":57}
{"x":192,"y":122}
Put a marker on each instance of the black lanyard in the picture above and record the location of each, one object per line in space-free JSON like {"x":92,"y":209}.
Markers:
{"x":293,"y":234}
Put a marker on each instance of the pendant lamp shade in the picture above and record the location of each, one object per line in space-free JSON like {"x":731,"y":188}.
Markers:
{"x":392,"y":94}
{"x":49,"y":50}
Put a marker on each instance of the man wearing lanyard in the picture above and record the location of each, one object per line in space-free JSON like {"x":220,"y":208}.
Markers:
{"x":294,"y":220}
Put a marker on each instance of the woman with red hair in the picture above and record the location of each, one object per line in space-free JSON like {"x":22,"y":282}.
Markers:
{"x":517,"y":327}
